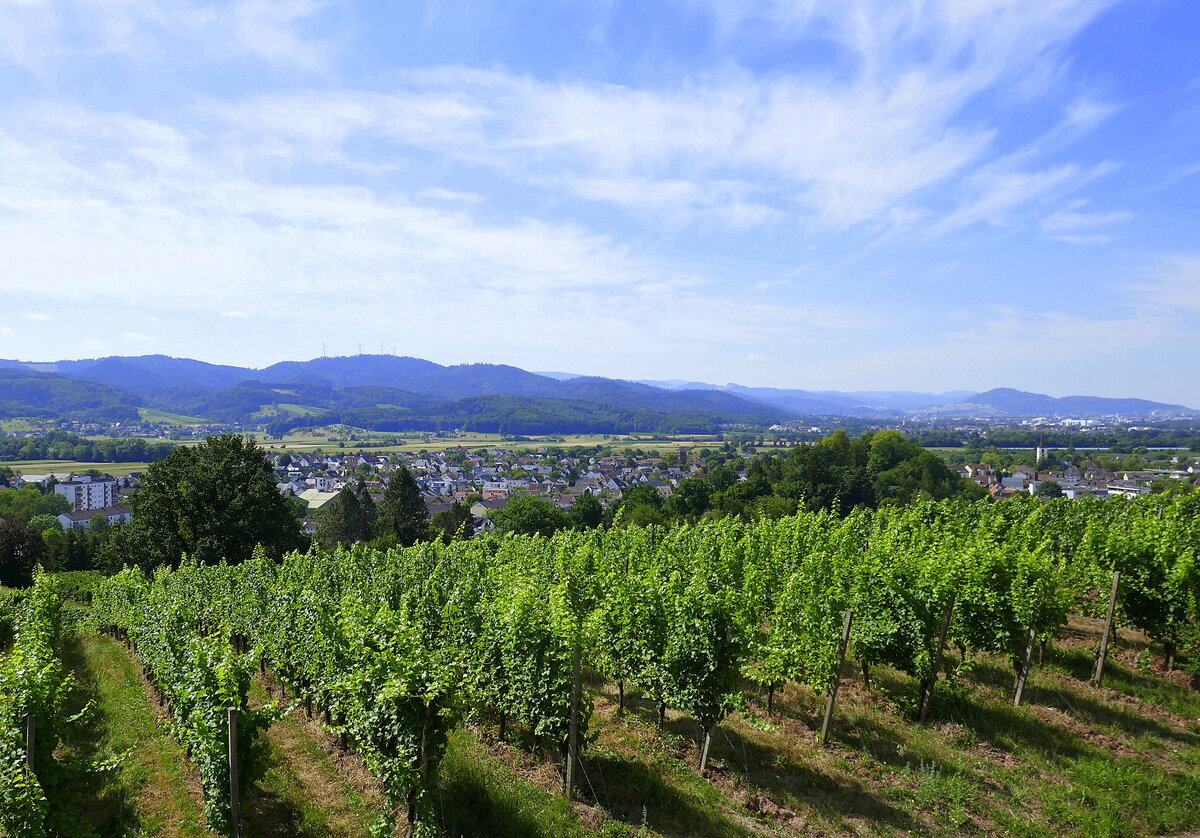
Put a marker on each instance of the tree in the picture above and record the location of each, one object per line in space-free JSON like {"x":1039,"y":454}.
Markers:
{"x":528,"y":515}
{"x":692,"y":499}
{"x":25,"y":503}
{"x":341,"y":520}
{"x":586,"y":512}
{"x":721,"y":478}
{"x":45,"y":522}
{"x":1049,"y":489}
{"x":368,"y":515}
{"x":21,"y":549}
{"x":403,"y":513}
{"x":449,"y":523}
{"x":215,"y":501}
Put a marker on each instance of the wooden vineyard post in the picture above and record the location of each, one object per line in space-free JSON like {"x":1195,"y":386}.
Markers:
{"x":927,"y":684}
{"x":1098,"y":674}
{"x":831,"y":698}
{"x":30,"y":738}
{"x":235,"y":808}
{"x":1026,"y":665}
{"x":573,"y":728}
{"x":704,"y":749}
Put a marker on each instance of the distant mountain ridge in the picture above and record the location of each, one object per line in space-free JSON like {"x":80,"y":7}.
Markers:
{"x":1009,"y":402}
{"x":401,"y":390}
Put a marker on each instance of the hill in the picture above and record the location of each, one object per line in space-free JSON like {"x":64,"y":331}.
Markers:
{"x":26,"y":392}
{"x":366,"y":382}
{"x":500,"y":413}
{"x":390,"y":390}
{"x":1008,"y":402}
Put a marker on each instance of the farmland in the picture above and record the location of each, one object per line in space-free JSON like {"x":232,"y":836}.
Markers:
{"x":32,"y":467}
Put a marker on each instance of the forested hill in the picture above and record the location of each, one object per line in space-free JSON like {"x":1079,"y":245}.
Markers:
{"x":392,"y":392}
{"x":26,"y":392}
{"x":382,"y":393}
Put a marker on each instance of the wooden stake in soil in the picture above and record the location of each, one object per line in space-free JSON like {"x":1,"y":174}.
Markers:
{"x":707,"y":740}
{"x":573,"y":729}
{"x":235,"y":807}
{"x":1026,"y":664}
{"x":831,"y":698}
{"x":1098,"y":674}
{"x":927,"y":684}
{"x":30,"y":738}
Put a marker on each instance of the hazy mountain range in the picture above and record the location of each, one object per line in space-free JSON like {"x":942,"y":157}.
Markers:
{"x":387,"y":392}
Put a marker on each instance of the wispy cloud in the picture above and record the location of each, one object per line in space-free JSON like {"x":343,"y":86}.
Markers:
{"x":234,"y":314}
{"x":841,"y":149}
{"x":1171,"y":286}
{"x":35,"y":33}
{"x":137,"y":337}
{"x":200,"y":235}
{"x":38,"y":316}
{"x":999,"y":191}
{"x":1071,"y":221}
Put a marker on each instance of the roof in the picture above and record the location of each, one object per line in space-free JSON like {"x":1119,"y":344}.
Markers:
{"x":89,"y":514}
{"x":316,"y":499}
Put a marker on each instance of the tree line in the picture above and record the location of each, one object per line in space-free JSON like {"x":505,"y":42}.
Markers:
{"x":62,"y":445}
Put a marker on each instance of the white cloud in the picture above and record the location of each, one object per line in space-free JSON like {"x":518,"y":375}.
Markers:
{"x":35,"y":33}
{"x":169,"y":228}
{"x":723,"y":146}
{"x":753,"y":357}
{"x":136,"y":336}
{"x":999,"y":191}
{"x":1073,"y":226}
{"x":5,"y":330}
{"x":1172,"y":286}
{"x":451,"y":195}
{"x":37,"y":316}
{"x":234,"y":314}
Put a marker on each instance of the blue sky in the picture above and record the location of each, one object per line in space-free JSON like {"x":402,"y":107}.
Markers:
{"x":883,"y":194}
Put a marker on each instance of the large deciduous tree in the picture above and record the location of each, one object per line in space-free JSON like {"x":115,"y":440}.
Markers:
{"x":528,"y":515}
{"x":21,"y":549}
{"x":214,"y":501}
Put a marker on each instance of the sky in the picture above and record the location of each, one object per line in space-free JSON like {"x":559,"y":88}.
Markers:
{"x":818,"y":194}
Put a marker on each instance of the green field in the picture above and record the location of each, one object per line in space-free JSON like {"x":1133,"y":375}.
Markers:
{"x":17,"y":425}
{"x":413,"y":442}
{"x":163,"y":418}
{"x":284,"y":409}
{"x":31,"y":467}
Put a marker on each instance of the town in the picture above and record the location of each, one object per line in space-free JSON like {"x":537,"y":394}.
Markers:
{"x":486,"y":479}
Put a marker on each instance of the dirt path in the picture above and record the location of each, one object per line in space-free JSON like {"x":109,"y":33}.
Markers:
{"x":311,"y":787}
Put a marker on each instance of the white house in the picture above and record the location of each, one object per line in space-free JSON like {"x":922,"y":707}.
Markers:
{"x":81,"y":519}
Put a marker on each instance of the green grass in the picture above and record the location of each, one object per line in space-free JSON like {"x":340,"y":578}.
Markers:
{"x":480,"y":796}
{"x":301,"y":793}
{"x":32,"y":467}
{"x":162,"y":417}
{"x":144,"y":788}
{"x":411,"y":443}
{"x":291,"y":410}
{"x":17,"y":425}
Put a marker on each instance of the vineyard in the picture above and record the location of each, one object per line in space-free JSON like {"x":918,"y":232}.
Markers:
{"x":706,"y":647}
